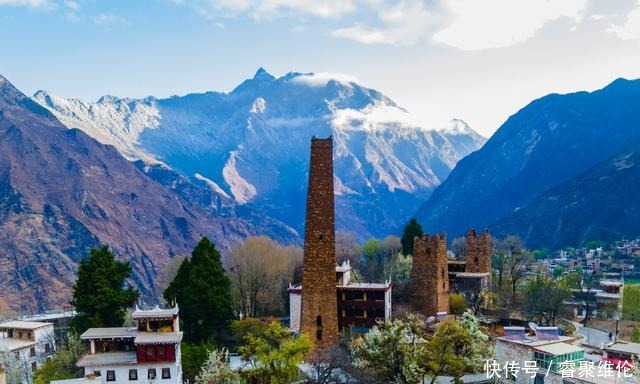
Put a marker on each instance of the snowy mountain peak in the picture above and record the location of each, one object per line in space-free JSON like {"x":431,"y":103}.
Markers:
{"x":262,"y":74}
{"x":457,"y":127}
{"x":252,"y":144}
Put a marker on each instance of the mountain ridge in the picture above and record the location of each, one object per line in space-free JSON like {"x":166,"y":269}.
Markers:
{"x":251,"y":144}
{"x":547,"y":142}
{"x":62,"y":192}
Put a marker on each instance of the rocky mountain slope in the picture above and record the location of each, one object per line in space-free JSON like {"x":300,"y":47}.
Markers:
{"x":251,"y":145}
{"x":599,"y":204}
{"x":62,"y":192}
{"x":545,"y":144}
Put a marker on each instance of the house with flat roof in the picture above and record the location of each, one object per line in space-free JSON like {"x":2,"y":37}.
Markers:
{"x":623,"y":351}
{"x":149,"y":351}
{"x":29,"y":344}
{"x":547,"y":349}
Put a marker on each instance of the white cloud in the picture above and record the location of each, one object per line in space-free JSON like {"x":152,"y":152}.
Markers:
{"x":465,"y":24}
{"x":404,"y":23}
{"x":72,"y":5}
{"x":374,"y":117}
{"x":108,"y":20}
{"x":500,"y":23}
{"x":630,"y":29}
{"x":321,"y":79}
{"x":39,"y":4}
{"x":266,"y":9}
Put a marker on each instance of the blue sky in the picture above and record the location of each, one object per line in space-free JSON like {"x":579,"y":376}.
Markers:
{"x":480,"y":61}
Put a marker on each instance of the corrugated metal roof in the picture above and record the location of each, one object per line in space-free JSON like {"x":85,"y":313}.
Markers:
{"x":158,"y":337}
{"x":630,"y":348}
{"x":19,"y":324}
{"x":109,"y":333}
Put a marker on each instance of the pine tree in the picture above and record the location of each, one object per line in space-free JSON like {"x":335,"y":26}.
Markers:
{"x":202,"y":290}
{"x":411,"y":230}
{"x":100,"y":294}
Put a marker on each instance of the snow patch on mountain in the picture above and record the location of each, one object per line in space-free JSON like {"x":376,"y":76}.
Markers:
{"x":214,"y":187}
{"x":242,"y":190}
{"x":110,"y":120}
{"x":259,"y":106}
{"x":457,"y":127}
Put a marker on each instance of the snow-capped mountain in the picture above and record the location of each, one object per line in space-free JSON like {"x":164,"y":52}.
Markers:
{"x":251,"y":145}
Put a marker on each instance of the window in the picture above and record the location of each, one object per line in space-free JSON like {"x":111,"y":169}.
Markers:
{"x":319,"y":325}
{"x":111,"y":375}
{"x":47,"y":347}
{"x":151,"y":375}
{"x":166,"y":373}
{"x":34,"y":366}
{"x":97,"y":373}
{"x":133,"y":374}
{"x":32,"y":352}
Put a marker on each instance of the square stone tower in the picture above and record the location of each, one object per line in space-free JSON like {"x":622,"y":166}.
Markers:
{"x":319,"y":317}
{"x":478,"y":252}
{"x":430,"y":275}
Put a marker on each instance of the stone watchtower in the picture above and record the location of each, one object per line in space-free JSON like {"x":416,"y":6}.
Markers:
{"x":430,"y":275}
{"x":319,"y":317}
{"x":478,"y":252}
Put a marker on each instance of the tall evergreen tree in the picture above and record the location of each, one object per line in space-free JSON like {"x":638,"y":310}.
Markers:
{"x":411,"y":230}
{"x":100,"y":294}
{"x":202,"y":290}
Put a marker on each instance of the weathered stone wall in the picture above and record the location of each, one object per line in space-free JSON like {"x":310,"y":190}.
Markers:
{"x":319,"y":318}
{"x":430,"y":275}
{"x":478,"y":252}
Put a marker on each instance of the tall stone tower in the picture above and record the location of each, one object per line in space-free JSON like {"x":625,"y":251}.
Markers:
{"x":319,"y":317}
{"x":478,"y":252}
{"x":430,"y":275}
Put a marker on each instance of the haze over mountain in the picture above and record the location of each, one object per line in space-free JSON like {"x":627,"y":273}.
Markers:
{"x":251,"y":145}
{"x":62,"y":192}
{"x":526,"y":176}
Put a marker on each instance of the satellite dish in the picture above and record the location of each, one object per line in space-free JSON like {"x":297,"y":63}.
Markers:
{"x":431,"y":319}
{"x":533,"y":326}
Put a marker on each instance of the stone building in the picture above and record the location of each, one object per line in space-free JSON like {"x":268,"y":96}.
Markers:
{"x":434,"y":276}
{"x":360,"y":305}
{"x":476,"y":275}
{"x":478,"y":252}
{"x":430,"y":275}
{"x":319,"y":316}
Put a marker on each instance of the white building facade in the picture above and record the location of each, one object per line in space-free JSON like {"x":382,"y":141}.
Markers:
{"x":149,"y":352}
{"x":24,"y":346}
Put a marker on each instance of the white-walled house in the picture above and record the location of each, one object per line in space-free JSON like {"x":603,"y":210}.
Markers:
{"x":24,"y":346}
{"x":148,"y":352}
